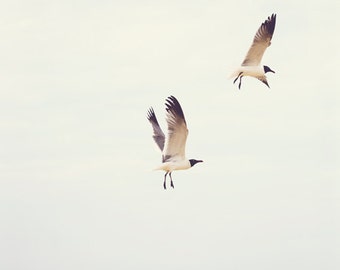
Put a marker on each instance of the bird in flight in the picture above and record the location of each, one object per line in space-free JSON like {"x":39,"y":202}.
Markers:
{"x":173,"y":145}
{"x":251,"y":65}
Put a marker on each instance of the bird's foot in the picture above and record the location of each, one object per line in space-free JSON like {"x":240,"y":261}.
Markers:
{"x":238,"y":76}
{"x":239,"y":85}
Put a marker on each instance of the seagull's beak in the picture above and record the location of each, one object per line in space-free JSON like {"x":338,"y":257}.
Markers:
{"x":199,"y":160}
{"x":270,"y":70}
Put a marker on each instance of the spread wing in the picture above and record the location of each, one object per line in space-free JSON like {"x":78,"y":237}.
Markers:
{"x":260,"y":43}
{"x":177,"y":130}
{"x":158,"y":134}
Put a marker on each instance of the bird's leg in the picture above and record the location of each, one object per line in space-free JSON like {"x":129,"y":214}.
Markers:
{"x":172,"y":184}
{"x":239,"y":85}
{"x":238,"y":77}
{"x":164,"y":184}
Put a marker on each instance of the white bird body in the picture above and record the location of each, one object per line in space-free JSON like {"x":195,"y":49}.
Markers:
{"x":253,"y":71}
{"x":174,"y":165}
{"x":172,"y":146}
{"x":251,"y":65}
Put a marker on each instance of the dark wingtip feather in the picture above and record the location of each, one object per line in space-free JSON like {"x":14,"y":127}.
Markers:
{"x":151,"y":116}
{"x":173,"y":105}
{"x":269,"y":24}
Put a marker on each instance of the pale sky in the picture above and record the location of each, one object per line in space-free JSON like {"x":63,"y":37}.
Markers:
{"x":77,"y":186}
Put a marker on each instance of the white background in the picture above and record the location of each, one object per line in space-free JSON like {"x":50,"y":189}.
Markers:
{"x":77,"y":190}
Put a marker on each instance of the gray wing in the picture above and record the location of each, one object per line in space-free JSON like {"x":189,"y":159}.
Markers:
{"x":261,"y":42}
{"x":158,"y":134}
{"x":177,"y":130}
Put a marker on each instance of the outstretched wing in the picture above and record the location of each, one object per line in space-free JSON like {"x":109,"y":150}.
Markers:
{"x":260,"y":43}
{"x":177,"y":130}
{"x":158,"y":134}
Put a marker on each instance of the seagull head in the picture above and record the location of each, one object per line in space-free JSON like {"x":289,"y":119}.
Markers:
{"x":194,"y":161}
{"x":267,"y":69}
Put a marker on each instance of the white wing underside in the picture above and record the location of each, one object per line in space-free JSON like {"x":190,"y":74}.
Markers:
{"x":255,"y":54}
{"x":174,"y":146}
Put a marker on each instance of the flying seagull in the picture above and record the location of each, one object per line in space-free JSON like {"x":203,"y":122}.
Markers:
{"x":251,"y":64}
{"x":172,"y":146}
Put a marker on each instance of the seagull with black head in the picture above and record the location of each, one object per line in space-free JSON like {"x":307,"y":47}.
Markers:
{"x":173,"y":145}
{"x":251,"y":65}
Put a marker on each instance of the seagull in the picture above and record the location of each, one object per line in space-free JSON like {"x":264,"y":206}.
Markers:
{"x":251,"y":64}
{"x":172,"y":146}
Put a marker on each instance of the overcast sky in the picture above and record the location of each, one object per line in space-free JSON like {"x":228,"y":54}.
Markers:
{"x":77,"y":186}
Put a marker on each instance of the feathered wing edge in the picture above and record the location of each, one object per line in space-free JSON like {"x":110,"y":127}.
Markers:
{"x":177,"y":129}
{"x":261,"y":41}
{"x":158,"y":134}
{"x":266,"y":29}
{"x":174,"y":109}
